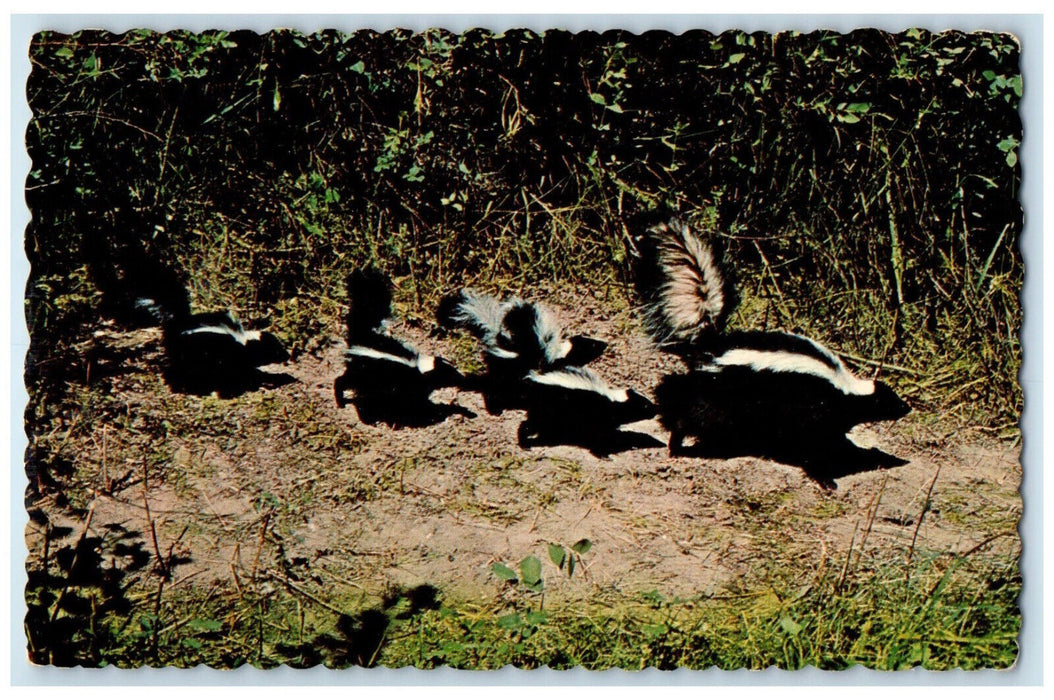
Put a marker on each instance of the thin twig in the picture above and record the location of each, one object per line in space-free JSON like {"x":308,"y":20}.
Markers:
{"x":925,"y":508}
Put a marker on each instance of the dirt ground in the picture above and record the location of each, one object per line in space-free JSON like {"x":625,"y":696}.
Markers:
{"x":282,"y":483}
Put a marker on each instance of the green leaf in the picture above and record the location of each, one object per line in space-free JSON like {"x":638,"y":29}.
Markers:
{"x":358,"y":67}
{"x":557,"y":555}
{"x":1008,"y":144}
{"x":277,"y":100}
{"x":64,"y":52}
{"x":598,"y":98}
{"x":509,"y":622}
{"x":1011,"y":158}
{"x":582,"y":546}
{"x":536,"y":587}
{"x":653,"y":631}
{"x":735,"y":58}
{"x":789,"y":625}
{"x":531,"y":570}
{"x":503,"y":572}
{"x":858,"y":107}
{"x":570,"y":567}
{"x":206,"y":625}
{"x":192,"y":643}
{"x":537,"y":617}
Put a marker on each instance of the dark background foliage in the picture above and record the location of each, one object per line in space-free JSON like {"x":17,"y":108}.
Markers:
{"x":866,"y":182}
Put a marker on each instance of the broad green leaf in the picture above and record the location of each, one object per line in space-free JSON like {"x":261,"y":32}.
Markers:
{"x":789,"y":625}
{"x":536,"y":617}
{"x":582,"y":546}
{"x":503,"y":572}
{"x":557,"y":555}
{"x":510,"y":621}
{"x":531,"y":570}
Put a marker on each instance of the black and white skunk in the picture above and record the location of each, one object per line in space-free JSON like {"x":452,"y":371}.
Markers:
{"x":213,"y":352}
{"x":391,"y":380}
{"x":573,"y":405}
{"x":518,"y":338}
{"x":770,"y":393}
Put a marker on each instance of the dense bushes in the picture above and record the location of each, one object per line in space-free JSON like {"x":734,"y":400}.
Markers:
{"x":867,"y":182}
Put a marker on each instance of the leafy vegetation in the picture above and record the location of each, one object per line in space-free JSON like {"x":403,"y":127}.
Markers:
{"x":866,"y":183}
{"x":865,"y":187}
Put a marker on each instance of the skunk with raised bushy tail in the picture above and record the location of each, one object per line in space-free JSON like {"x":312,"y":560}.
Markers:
{"x":518,"y":337}
{"x":769,"y":393}
{"x":391,"y":380}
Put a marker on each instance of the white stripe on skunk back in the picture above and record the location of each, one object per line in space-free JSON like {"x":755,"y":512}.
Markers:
{"x":237,"y":332}
{"x":581,"y":379}
{"x":833,"y":369}
{"x":692,"y":295}
{"x":421,"y":362}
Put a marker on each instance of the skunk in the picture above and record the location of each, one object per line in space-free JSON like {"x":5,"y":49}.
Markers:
{"x":210,"y":352}
{"x":778,"y":394}
{"x":518,"y":337}
{"x":391,"y":380}
{"x":761,"y":392}
{"x":574,"y":405}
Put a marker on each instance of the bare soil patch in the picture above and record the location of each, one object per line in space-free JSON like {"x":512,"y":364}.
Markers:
{"x":281,"y":483}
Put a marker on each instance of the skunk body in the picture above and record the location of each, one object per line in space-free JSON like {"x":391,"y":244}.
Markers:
{"x":391,"y":380}
{"x":770,"y":393}
{"x":518,"y":338}
{"x":575,"y":405}
{"x":213,"y":352}
{"x":747,"y":392}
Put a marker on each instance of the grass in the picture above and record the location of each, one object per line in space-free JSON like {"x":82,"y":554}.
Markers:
{"x":948,"y":614}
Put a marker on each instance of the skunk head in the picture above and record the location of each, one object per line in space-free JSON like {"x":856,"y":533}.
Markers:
{"x":884,"y":404}
{"x":370,"y":299}
{"x":685,"y":293}
{"x":584,"y":350}
{"x":264,"y":348}
{"x":442,"y":373}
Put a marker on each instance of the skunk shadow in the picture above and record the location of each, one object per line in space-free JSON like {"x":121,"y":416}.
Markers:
{"x":601,"y":444}
{"x":228,"y":388}
{"x":822,"y":460}
{"x":372,"y":411}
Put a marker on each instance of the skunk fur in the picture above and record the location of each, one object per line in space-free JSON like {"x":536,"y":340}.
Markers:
{"x":213,"y":352}
{"x":770,"y":393}
{"x":574,"y":405}
{"x":750,"y":392}
{"x":518,"y":338}
{"x":686,"y":296}
{"x":391,"y":380}
{"x":137,"y":289}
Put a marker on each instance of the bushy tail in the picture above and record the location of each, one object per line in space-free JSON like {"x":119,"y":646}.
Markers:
{"x":480,"y":314}
{"x":685,"y":294}
{"x":138,"y":289}
{"x":370,"y":301}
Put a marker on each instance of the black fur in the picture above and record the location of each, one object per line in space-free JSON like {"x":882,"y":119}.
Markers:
{"x":389,"y":380}
{"x":210,"y":352}
{"x":586,"y":416}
